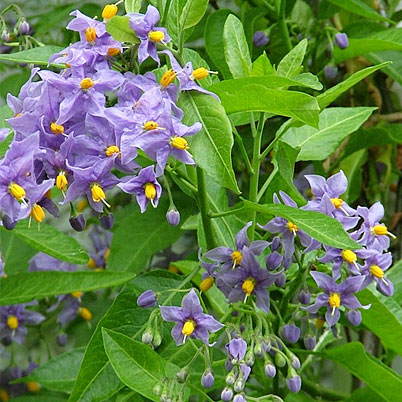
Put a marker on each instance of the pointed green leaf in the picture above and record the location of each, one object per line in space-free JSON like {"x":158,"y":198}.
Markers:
{"x":291,"y":64}
{"x":211,"y":148}
{"x":119,"y":28}
{"x":262,"y":66}
{"x":334,"y":125}
{"x":132,"y":6}
{"x":193,"y":12}
{"x":51,"y":241}
{"x":236,"y":49}
{"x":38,"y":55}
{"x":321,"y":227}
{"x":26,"y":286}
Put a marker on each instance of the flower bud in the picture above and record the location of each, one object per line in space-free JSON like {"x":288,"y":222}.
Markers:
{"x":273,"y":261}
{"x":157,"y":389}
{"x":6,"y":341}
{"x":78,"y":222}
{"x":330,"y":72}
{"x":239,"y":398}
{"x":294,"y":383}
{"x":147,"y":299}
{"x":354,"y":317}
{"x":182,"y":375}
{"x":260,"y":39}
{"x":238,"y":385}
{"x":24,"y":27}
{"x":276,"y":243}
{"x":258,"y":350}
{"x":294,"y":361}
{"x":341,"y":40}
{"x":290,"y":333}
{"x":107,"y":221}
{"x":173,"y":216}
{"x":61,"y":339}
{"x":228,"y":365}
{"x":156,"y":342}
{"x":207,"y":379}
{"x":386,"y":288}
{"x":147,"y":336}
{"x":309,"y":342}
{"x":280,"y":360}
{"x":304,"y":297}
{"x":5,"y":36}
{"x":230,"y":378}
{"x":227,"y":394}
{"x":270,"y":370}
{"x":280,"y":280}
{"x":250,"y":358}
{"x":8,"y":223}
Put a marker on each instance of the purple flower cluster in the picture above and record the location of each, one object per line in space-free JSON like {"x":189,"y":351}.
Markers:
{"x":73,"y":128}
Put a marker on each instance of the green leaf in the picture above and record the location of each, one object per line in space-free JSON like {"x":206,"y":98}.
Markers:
{"x":212,"y":146}
{"x":50,"y":241}
{"x":137,"y":237}
{"x":321,"y":227}
{"x":251,"y":16}
{"x":5,"y":113}
{"x":215,"y":49}
{"x":281,"y":177}
{"x":239,"y":97}
{"x":308,"y":80}
{"x":59,"y":373}
{"x":331,"y":94}
{"x":393,"y":60}
{"x":96,"y":379}
{"x":42,"y":396}
{"x":236,"y":50}
{"x":193,"y":12}
{"x":291,"y":64}
{"x":378,"y":377}
{"x":119,"y":28}
{"x":26,"y":286}
{"x":358,"y":7}
{"x":262,"y":66}
{"x":38,"y":55}
{"x":383,"y":318}
{"x":334,"y":125}
{"x":132,"y":360}
{"x":132,"y":6}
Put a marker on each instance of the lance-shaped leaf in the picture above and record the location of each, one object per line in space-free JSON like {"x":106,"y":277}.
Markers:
{"x":319,"y":226}
{"x":290,"y":65}
{"x":38,"y":55}
{"x":26,"y":286}
{"x":51,"y":241}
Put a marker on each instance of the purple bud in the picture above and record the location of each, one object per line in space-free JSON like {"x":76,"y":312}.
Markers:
{"x":280,"y":280}
{"x":62,"y":339}
{"x":354,"y":317}
{"x":295,"y":362}
{"x":304,"y":297}
{"x":385,"y":286}
{"x":341,"y":40}
{"x":330,"y":72}
{"x":6,"y":340}
{"x":273,"y":261}
{"x":8,"y":223}
{"x":276,"y":243}
{"x":5,"y":36}
{"x":270,"y":370}
{"x":299,"y":37}
{"x":260,"y":39}
{"x":207,"y":379}
{"x":23,"y":27}
{"x":294,"y":383}
{"x":147,"y":299}
{"x":236,"y":348}
{"x":173,"y":216}
{"x":78,"y":222}
{"x":228,"y":365}
{"x":107,"y":221}
{"x":227,"y":394}
{"x":309,"y":342}
{"x":290,"y":333}
{"x":239,"y":398}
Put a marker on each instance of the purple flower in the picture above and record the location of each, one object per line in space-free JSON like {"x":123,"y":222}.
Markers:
{"x":233,"y":257}
{"x":191,"y":321}
{"x":341,"y":40}
{"x":289,"y":231}
{"x":372,"y":233}
{"x":88,"y":28}
{"x":187,"y":76}
{"x":149,"y":34}
{"x":336,"y":295}
{"x":338,"y":257}
{"x":249,"y":279}
{"x":92,"y":181}
{"x":374,"y":269}
{"x":270,"y":370}
{"x":71,"y":306}
{"x":144,"y":186}
{"x":236,"y":348}
{"x":291,"y":333}
{"x":147,"y":299}
{"x":260,"y":39}
{"x":44,"y":262}
{"x":14,"y":318}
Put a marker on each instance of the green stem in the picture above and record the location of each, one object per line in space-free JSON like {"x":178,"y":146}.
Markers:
{"x":283,"y":129}
{"x":169,"y":191}
{"x":283,"y":26}
{"x":203,"y":205}
{"x":243,"y":151}
{"x":213,"y":215}
{"x":257,"y":135}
